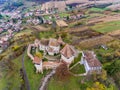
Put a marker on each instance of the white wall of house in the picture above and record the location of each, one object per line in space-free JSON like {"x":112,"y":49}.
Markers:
{"x":1,"y":50}
{"x":39,"y":67}
{"x":87,"y":67}
{"x":51,"y":53}
{"x":68,"y":60}
{"x":43,"y":47}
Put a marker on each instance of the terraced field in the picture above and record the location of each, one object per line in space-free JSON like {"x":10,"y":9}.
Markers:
{"x":107,"y":27}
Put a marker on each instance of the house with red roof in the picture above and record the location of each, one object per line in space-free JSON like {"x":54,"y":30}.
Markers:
{"x":1,"y":30}
{"x":68,"y":54}
{"x":38,"y":64}
{"x":54,"y":47}
{"x":91,"y":63}
{"x":51,"y":46}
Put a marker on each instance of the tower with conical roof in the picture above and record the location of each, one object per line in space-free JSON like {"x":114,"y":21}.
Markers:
{"x":67,"y":54}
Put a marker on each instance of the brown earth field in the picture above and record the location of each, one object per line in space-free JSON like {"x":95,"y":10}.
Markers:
{"x":107,"y":18}
{"x":92,"y":42}
{"x":85,"y":34}
{"x":39,"y":28}
{"x":87,"y":38}
{"x":115,"y":34}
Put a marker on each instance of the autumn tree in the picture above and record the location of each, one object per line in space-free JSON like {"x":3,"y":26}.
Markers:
{"x":97,"y":86}
{"x":62,"y":72}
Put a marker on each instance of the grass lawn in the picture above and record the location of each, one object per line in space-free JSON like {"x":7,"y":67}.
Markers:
{"x":26,"y":32}
{"x":3,"y":83}
{"x":98,"y":9}
{"x":47,"y":17}
{"x":79,"y":69}
{"x":34,"y":79}
{"x":63,"y":15}
{"x":74,"y":83}
{"x":11,"y":79}
{"x":107,"y":27}
{"x":47,"y":34}
{"x":77,"y":59}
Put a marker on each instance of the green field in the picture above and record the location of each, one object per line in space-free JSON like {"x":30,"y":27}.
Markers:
{"x":63,"y":15}
{"x":98,"y":9}
{"x":74,"y":83}
{"x":79,"y":69}
{"x":107,"y":27}
{"x":33,"y":77}
{"x":11,"y":79}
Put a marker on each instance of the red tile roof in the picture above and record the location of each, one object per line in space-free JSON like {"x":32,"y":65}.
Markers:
{"x":36,"y":60}
{"x":60,"y":41}
{"x":44,"y":42}
{"x":67,"y":51}
{"x":53,"y":42}
{"x":90,"y":57}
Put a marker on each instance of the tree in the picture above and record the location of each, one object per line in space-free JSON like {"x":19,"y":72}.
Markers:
{"x":113,"y":68}
{"x":38,"y":54}
{"x":103,"y":75}
{"x":97,"y":86}
{"x":1,"y":17}
{"x":62,"y":72}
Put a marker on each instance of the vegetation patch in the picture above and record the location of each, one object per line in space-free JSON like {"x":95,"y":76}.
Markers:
{"x":79,"y":69}
{"x":76,"y":60}
{"x":95,"y":42}
{"x":12,"y":79}
{"x":98,"y":9}
{"x":47,"y":34}
{"x":74,"y":83}
{"x":107,"y":27}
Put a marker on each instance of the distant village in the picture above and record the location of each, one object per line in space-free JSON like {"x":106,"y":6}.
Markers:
{"x":14,"y":22}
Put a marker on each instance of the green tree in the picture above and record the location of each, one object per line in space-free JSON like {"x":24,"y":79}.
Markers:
{"x":113,"y":68}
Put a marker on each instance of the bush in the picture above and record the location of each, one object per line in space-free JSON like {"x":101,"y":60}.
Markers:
{"x":15,"y":48}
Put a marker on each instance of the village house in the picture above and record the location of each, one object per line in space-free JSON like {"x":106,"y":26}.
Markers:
{"x":67,"y":54}
{"x":35,"y":21}
{"x":1,"y":30}
{"x":3,"y":45}
{"x":38,"y":64}
{"x":91,"y":63}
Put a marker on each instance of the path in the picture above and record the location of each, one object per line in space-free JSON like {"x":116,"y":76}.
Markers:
{"x":77,"y":75}
{"x":24,"y":72}
{"x":46,"y":79}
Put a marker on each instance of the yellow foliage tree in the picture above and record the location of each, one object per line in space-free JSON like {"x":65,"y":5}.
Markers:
{"x":97,"y":86}
{"x":38,"y":54}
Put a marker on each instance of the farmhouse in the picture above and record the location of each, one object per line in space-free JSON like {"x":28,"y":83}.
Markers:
{"x":91,"y":63}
